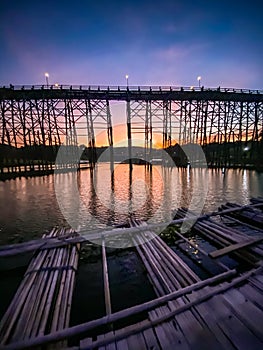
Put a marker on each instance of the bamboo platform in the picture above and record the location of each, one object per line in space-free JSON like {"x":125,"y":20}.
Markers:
{"x":249,"y":216}
{"x":222,"y":311}
{"x":227,"y":315}
{"x":230,"y":238}
{"x":221,"y":314}
{"x":42,"y":302}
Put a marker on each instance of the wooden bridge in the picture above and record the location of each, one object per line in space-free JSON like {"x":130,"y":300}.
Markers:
{"x":36,"y":120}
{"x":223,"y":311}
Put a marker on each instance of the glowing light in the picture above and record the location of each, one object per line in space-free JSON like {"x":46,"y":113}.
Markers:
{"x":199,"y":80}
{"x":127,"y":79}
{"x":47,"y":76}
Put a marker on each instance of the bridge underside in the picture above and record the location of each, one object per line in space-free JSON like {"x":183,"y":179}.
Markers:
{"x":35,"y":122}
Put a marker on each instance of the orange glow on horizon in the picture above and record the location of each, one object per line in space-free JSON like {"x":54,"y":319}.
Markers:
{"x":120,"y":138}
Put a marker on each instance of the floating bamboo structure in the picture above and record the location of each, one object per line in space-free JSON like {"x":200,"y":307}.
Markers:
{"x":223,"y":311}
{"x":42,"y":302}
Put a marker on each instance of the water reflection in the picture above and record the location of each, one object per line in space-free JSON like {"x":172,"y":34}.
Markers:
{"x":29,"y":206}
{"x":116,"y":196}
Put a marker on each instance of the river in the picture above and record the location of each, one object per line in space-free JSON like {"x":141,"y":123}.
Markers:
{"x":29,"y":206}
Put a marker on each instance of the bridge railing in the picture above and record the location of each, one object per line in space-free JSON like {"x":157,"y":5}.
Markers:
{"x":128,"y":88}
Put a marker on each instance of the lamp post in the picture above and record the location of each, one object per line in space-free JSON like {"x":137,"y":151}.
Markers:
{"x":127,"y":79}
{"x":199,"y":80}
{"x":47,"y":76}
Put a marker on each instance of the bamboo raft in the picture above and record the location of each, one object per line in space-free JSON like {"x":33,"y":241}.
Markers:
{"x":43,"y":300}
{"x":223,"y":311}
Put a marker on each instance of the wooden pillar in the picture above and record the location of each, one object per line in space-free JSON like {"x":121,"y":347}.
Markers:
{"x":129,"y":133}
{"x":110,"y":136}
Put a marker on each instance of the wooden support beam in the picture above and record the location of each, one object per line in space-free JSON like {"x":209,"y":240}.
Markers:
{"x":233,"y":247}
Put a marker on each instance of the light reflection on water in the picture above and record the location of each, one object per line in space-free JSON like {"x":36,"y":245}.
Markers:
{"x":29,"y":206}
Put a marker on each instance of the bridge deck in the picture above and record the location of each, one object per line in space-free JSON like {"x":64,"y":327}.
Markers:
{"x":130,"y":93}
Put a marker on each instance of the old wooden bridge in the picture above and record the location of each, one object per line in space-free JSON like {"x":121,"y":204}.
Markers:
{"x":223,"y":311}
{"x":36,"y":120}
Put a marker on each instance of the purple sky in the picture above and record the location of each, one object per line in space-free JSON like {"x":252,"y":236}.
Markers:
{"x":155,"y":42}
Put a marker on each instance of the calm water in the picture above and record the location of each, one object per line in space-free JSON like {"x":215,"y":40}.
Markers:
{"x":30,"y":206}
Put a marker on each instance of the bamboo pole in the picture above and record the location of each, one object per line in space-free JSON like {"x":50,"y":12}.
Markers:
{"x":234,"y":247}
{"x":106,"y":279}
{"x":222,"y":240}
{"x":48,"y":283}
{"x":21,"y":248}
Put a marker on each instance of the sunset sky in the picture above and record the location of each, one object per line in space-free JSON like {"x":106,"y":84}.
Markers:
{"x":155,"y":42}
{"x":167,"y":42}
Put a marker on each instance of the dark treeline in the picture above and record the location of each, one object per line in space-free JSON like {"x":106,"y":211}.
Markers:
{"x":229,"y":155}
{"x":234,"y":154}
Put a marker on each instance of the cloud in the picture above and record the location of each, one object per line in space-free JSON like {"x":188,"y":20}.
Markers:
{"x":179,"y":51}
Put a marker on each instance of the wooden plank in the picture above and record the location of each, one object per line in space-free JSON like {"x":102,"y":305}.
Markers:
{"x":250,"y":315}
{"x":209,"y":318}
{"x":190,"y":326}
{"x":136,"y":341}
{"x":256,"y":284}
{"x":169,"y":336}
{"x":259,"y":277}
{"x":122,"y":344}
{"x":151,"y":339}
{"x":85,"y":343}
{"x":234,"y":329}
{"x":252,"y":294}
{"x":101,"y":337}
{"x":233,"y":247}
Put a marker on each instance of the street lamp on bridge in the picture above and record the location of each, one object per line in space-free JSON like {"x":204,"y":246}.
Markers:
{"x":47,"y":76}
{"x":199,"y":80}
{"x":127,"y":79}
